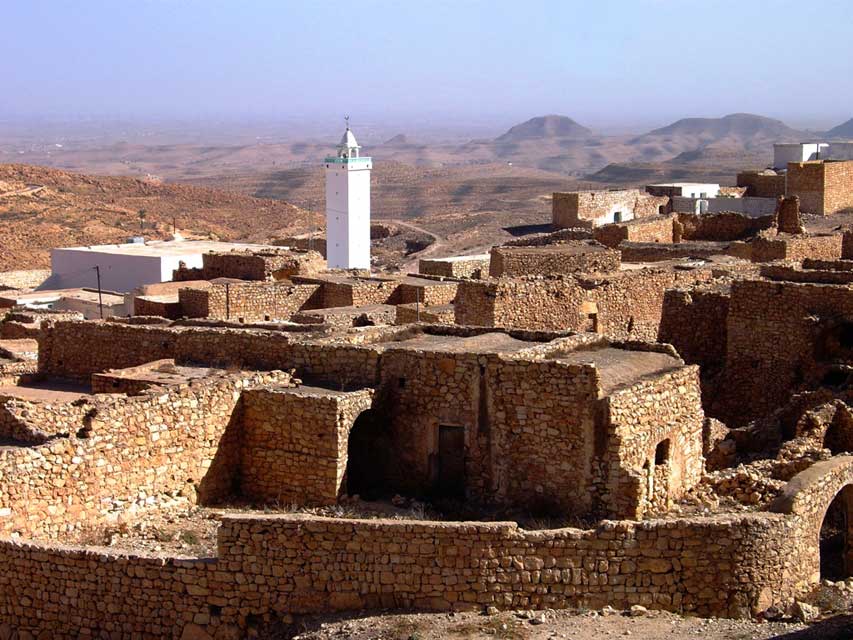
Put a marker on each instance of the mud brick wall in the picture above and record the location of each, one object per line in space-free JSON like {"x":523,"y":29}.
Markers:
{"x":246,"y":301}
{"x":789,"y":247}
{"x":293,"y":446}
{"x":694,"y":321}
{"x":807,"y":181}
{"x":574,"y":257}
{"x":582,"y":208}
{"x":722,"y":226}
{"x":762,"y":186}
{"x":641,"y":416}
{"x":474,"y":267}
{"x":838,"y":187}
{"x":772,"y":336}
{"x":654,"y":228}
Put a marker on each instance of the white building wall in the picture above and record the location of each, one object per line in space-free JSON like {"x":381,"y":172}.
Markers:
{"x":348,"y":214}
{"x":749,"y":206}
{"x":73,"y":268}
{"x":786,"y":152}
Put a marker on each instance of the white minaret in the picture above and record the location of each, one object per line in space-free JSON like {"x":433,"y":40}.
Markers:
{"x":348,"y":206}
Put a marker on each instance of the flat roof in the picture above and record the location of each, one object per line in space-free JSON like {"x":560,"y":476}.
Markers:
{"x":495,"y":342}
{"x":619,"y":367}
{"x":479,"y":256}
{"x":52,"y":295}
{"x":571,"y":248}
{"x":163,"y":248}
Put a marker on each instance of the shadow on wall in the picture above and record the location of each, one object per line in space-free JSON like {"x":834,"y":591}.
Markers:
{"x":221,"y":481}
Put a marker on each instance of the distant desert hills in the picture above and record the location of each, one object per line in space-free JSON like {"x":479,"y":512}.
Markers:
{"x":544,"y":127}
{"x":42,"y":208}
{"x":842,"y":131}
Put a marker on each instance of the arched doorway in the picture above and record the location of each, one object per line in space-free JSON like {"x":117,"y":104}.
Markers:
{"x":836,"y":537}
{"x":368,"y":458}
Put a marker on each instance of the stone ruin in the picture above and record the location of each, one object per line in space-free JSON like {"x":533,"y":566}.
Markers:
{"x":593,"y":408}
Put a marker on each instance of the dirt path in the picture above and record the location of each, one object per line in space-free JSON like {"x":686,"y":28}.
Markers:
{"x":437,"y":241}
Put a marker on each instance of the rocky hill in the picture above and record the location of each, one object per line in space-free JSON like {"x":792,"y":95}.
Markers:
{"x":843,"y":131}
{"x":545,"y":127}
{"x":42,"y":208}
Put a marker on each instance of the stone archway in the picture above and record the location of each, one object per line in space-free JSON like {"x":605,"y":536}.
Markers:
{"x":836,"y":537}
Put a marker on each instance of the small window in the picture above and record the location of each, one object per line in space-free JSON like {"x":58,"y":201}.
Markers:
{"x":617,"y":216}
{"x":662,"y":452}
{"x":401,"y":383}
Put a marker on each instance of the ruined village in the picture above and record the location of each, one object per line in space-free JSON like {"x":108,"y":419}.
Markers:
{"x":646,"y":407}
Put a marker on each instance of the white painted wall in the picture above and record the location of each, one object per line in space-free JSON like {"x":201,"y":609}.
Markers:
{"x":610,"y":216}
{"x":348,"y":214}
{"x":786,"y":152}
{"x":840,"y":150}
{"x":749,"y":206}
{"x":75,"y":267}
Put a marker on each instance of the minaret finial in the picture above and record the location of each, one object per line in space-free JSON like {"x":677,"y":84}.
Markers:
{"x":346,"y":119}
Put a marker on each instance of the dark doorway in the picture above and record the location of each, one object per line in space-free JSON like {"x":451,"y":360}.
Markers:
{"x":368,"y":458}
{"x":836,"y":555}
{"x":450,"y":481}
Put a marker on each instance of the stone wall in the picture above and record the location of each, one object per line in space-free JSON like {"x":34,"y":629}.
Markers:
{"x":627,"y":304}
{"x":797,"y":247}
{"x":246,"y":301}
{"x":587,"y":209}
{"x":293,"y":444}
{"x":651,"y":229}
{"x":272,"y":565}
{"x":409,"y":313}
{"x":722,"y":226}
{"x":571,"y":257}
{"x":76,"y":350}
{"x":456,"y":267}
{"x":762,"y":185}
{"x":116,"y":452}
{"x":777,"y":332}
{"x":694,"y":322}
{"x":255,"y":265}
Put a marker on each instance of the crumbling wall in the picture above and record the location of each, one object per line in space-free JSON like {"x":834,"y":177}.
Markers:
{"x":796,"y":247}
{"x":123,"y":451}
{"x":761,"y":184}
{"x":694,"y":322}
{"x":651,"y":229}
{"x":722,"y":226}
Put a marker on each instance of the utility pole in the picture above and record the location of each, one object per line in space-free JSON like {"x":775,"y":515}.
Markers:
{"x":100,"y":297}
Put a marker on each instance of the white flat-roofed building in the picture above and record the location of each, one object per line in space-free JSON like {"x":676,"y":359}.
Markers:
{"x":124,"y":267}
{"x":785,"y":152}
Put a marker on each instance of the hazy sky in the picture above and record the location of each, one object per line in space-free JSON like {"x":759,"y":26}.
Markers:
{"x":607,"y":63}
